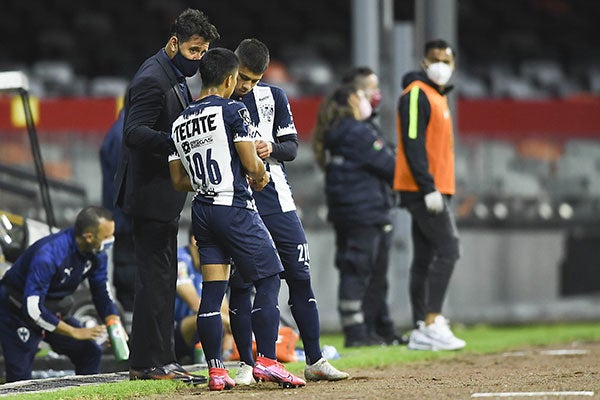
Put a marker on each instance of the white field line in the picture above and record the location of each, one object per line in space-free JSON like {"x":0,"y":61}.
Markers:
{"x":558,"y":352}
{"x":564,"y":352}
{"x":531,"y":394}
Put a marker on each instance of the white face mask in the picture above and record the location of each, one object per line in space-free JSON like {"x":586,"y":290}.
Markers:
{"x":439,"y":73}
{"x":365,"y":108}
{"x":105,"y":245}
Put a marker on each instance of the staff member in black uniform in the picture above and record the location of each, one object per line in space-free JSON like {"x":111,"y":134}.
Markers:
{"x":156,"y":96}
{"x":375,"y":304}
{"x":359,"y":170}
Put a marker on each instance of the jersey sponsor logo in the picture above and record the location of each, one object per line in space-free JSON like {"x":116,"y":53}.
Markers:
{"x":194,"y":126}
{"x":23,"y":334}
{"x":199,"y":142}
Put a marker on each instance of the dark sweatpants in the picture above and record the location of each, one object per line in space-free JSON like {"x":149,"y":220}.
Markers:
{"x":362,"y":257}
{"x":435,"y":252}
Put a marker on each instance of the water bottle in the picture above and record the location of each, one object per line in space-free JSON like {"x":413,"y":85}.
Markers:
{"x":118,"y":342}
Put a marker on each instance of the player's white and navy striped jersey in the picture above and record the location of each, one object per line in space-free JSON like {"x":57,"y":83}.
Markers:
{"x":204,"y":135}
{"x":271,"y":115}
{"x":51,"y":269}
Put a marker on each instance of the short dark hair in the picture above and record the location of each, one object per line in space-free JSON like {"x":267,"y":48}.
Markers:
{"x":437,"y":44}
{"x":354,"y":74}
{"x":193,"y":22}
{"x":254,"y":55}
{"x":89,"y":218}
{"x":216,"y":64}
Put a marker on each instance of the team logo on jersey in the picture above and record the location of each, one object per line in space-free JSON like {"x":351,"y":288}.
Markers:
{"x":23,"y":334}
{"x":267,"y":111}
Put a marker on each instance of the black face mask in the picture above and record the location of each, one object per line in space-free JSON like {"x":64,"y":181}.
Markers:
{"x":187,"y":67}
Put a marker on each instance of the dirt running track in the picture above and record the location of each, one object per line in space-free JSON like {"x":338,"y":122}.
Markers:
{"x":530,"y":370}
{"x":532,"y":373}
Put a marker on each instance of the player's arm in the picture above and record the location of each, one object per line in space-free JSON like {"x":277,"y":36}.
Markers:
{"x":179,"y":177}
{"x":254,"y":166}
{"x":285,"y":147}
{"x":36,"y":286}
{"x":93,"y":333}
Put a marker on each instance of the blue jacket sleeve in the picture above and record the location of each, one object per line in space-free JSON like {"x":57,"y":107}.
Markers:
{"x":41,"y":271}
{"x":101,"y":295}
{"x":109,"y":159}
{"x":373,"y":152}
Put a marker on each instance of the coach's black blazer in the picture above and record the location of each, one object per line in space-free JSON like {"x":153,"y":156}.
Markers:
{"x":153,"y":101}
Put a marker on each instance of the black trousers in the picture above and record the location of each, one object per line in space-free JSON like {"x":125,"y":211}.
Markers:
{"x":362,"y":258}
{"x":124,"y":269}
{"x":435,"y":252}
{"x":152,"y":342}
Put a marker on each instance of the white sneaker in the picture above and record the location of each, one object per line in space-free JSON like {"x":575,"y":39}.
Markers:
{"x":243,"y":376}
{"x":323,"y":371}
{"x":436,"y":336}
{"x":418,"y":340}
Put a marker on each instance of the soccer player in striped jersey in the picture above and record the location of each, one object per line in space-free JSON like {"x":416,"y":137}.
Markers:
{"x":216,"y":158}
{"x":276,"y":142}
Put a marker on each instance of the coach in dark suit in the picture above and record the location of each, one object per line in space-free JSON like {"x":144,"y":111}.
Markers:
{"x":156,"y":96}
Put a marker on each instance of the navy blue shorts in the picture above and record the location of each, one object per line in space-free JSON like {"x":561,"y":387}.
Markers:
{"x":231,"y":233}
{"x":290,"y":240}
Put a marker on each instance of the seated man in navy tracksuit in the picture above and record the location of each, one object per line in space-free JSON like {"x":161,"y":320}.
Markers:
{"x":35,"y":293}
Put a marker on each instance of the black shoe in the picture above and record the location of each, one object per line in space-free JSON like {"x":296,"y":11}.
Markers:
{"x":154,"y":373}
{"x":166,"y":372}
{"x":178,"y":370}
{"x":369,"y":340}
{"x":395,"y":340}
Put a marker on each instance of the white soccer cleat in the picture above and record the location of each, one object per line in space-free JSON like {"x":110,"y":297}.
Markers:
{"x":243,"y":376}
{"x":436,"y":336}
{"x":323,"y":371}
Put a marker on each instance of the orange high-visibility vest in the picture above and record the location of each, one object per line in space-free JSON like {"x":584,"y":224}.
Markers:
{"x":439,"y":144}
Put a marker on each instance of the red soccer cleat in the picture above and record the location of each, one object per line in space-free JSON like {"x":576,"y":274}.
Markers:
{"x":218,"y":379}
{"x":268,"y":370}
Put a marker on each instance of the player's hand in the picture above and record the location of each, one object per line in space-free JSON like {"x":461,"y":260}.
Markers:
{"x":263,"y":149}
{"x":434,"y":202}
{"x":258,"y":186}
